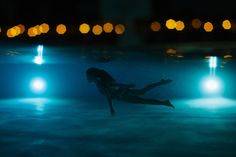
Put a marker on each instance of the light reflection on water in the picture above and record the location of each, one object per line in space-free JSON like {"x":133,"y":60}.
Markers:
{"x":39,"y":103}
{"x":211,"y":103}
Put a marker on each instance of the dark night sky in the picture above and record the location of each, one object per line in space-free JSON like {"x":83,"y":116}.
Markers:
{"x":76,"y":11}
{"x":190,"y":8}
{"x":69,"y":11}
{"x":53,"y":11}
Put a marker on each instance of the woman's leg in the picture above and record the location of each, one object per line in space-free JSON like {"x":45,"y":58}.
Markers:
{"x":149,"y":87}
{"x":139,"y":100}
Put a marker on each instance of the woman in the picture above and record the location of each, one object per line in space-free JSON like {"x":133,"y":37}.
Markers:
{"x":108,"y":86}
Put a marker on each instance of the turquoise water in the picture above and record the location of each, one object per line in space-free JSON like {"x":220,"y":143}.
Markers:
{"x":54,"y":127}
{"x":72,"y":118}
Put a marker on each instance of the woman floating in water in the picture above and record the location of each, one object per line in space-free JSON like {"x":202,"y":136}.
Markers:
{"x":108,"y":86}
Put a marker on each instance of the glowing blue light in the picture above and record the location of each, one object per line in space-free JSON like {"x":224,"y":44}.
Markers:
{"x":39,"y":103}
{"x":40,"y":50}
{"x":38,"y":85}
{"x":39,"y":58}
{"x":212,"y":85}
{"x":213,"y":62}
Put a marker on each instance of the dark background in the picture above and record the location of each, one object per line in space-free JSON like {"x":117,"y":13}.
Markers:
{"x":136,"y":15}
{"x":52,"y":11}
{"x":92,"y":10}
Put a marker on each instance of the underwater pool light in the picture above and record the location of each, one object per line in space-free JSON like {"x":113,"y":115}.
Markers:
{"x":213,"y":62}
{"x":39,"y":58}
{"x":212,"y":85}
{"x":38,"y":85}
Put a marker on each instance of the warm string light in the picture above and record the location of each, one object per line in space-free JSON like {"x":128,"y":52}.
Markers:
{"x":38,"y":30}
{"x":118,"y":29}
{"x":15,"y":31}
{"x":61,"y":29}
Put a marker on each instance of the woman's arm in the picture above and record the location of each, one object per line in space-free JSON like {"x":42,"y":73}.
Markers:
{"x":112,"y":111}
{"x":109,"y":99}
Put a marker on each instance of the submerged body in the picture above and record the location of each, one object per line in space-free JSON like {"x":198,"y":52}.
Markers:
{"x":110,"y":88}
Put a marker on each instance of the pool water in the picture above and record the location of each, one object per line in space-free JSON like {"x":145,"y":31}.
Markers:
{"x":71,"y":118}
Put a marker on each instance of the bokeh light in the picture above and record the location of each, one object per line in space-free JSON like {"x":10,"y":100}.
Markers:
{"x":32,"y":32}
{"x":61,"y":29}
{"x":9,"y":34}
{"x":44,"y":28}
{"x":37,"y":30}
{"x":171,"y":51}
{"x":17,"y":30}
{"x":119,"y":29}
{"x":170,"y":24}
{"x":196,"y":23}
{"x":226,"y":24}
{"x":108,"y":27}
{"x":208,"y":27}
{"x":155,"y":26}
{"x":228,"y":56}
{"x":179,"y":25}
{"x":22,"y":28}
{"x":97,"y":30}
{"x":84,"y":28}
{"x":12,"y":32}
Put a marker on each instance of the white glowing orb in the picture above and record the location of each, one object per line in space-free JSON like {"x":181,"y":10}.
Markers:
{"x":212,"y":85}
{"x":38,"y":60}
{"x":38,"y":85}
